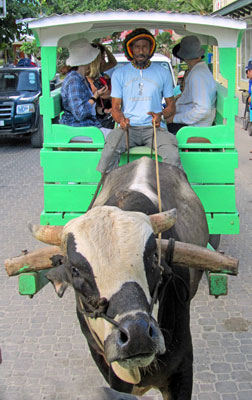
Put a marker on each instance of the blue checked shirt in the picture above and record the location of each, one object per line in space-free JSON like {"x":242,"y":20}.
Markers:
{"x":75,"y":93}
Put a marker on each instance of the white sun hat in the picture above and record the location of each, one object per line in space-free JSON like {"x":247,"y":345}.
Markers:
{"x":81,"y":53}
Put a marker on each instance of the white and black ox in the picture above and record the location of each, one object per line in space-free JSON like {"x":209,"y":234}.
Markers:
{"x":134,"y":310}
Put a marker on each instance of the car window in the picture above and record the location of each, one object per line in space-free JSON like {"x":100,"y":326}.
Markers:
{"x":19,"y":81}
{"x":8,"y":81}
{"x":28,"y":80}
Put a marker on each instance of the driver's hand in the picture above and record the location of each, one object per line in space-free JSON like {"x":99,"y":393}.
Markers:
{"x":124,"y":123}
{"x":156,"y":118}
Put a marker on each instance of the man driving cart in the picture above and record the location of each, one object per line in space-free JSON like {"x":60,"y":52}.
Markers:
{"x":137,"y":92}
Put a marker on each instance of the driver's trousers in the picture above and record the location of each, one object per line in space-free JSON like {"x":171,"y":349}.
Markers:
{"x":167,"y":146}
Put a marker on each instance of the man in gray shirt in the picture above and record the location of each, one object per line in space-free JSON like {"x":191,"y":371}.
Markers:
{"x":196,"y":106}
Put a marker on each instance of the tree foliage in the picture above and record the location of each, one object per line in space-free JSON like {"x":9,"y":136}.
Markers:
{"x":30,"y":48}
{"x":164,"y":43}
{"x":21,"y":9}
{"x":65,"y":7}
{"x":16,"y":9}
{"x":204,"y":7}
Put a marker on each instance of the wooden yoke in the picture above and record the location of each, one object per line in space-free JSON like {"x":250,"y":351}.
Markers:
{"x":193,"y":256}
{"x":35,"y":261}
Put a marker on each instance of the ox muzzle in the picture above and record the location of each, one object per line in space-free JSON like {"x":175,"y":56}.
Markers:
{"x":135,"y":341}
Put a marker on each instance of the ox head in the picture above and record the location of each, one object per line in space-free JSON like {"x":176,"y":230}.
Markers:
{"x":110,"y":259}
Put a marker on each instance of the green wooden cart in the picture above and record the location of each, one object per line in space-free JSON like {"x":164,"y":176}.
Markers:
{"x":70,"y":176}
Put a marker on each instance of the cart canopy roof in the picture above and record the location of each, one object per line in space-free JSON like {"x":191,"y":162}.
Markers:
{"x":59,"y":30}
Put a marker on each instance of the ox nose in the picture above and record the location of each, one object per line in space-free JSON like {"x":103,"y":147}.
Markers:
{"x":137,"y":336}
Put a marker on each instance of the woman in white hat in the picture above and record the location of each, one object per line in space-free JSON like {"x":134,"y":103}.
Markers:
{"x":78,"y":100}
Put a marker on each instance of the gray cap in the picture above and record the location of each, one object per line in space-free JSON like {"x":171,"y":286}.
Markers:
{"x":190,"y":48}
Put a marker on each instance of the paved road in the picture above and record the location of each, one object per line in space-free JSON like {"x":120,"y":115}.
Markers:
{"x":45,"y":357}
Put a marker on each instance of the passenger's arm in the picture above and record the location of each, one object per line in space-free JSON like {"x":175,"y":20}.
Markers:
{"x":111,"y":61}
{"x":170,"y":109}
{"x":117,"y":113}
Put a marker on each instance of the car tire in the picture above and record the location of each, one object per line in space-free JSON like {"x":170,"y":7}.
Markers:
{"x":37,"y":137}
{"x":214,"y":240}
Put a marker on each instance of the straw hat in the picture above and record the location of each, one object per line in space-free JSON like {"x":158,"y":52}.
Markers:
{"x":81,"y":53}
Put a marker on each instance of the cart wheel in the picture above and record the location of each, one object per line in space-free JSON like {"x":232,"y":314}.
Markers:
{"x":245,"y":121}
{"x":214,"y":240}
{"x":250,"y":129}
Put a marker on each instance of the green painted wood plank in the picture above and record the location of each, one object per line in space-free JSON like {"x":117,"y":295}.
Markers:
{"x":223,"y":223}
{"x":218,"y":223}
{"x":220,"y":136}
{"x":77,"y":197}
{"x":56,"y":97}
{"x":218,"y":284}
{"x":30,"y":283}
{"x":62,"y":134}
{"x":210,"y":167}
{"x":53,"y":218}
{"x":216,"y":198}
{"x":68,"y":198}
{"x":70,"y":166}
{"x":136,"y":153}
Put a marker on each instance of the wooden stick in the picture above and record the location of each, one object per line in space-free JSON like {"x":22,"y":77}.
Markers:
{"x":193,"y":256}
{"x":34,"y":261}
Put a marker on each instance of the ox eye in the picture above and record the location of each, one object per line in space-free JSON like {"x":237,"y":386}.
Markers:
{"x":75,"y":273}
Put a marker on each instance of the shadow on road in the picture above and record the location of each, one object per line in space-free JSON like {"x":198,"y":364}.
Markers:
{"x":21,"y":141}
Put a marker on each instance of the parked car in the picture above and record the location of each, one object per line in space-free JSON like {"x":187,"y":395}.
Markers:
{"x":20,"y":89}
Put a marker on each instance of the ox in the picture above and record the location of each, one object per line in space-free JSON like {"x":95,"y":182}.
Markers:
{"x":133,"y":310}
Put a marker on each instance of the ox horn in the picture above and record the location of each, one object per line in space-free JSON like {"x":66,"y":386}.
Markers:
{"x":163,"y":221}
{"x":193,"y":256}
{"x":49,"y":234}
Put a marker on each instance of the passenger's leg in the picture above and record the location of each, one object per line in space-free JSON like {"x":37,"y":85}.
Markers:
{"x":105,"y":132}
{"x":174,"y":128}
{"x":115,"y":144}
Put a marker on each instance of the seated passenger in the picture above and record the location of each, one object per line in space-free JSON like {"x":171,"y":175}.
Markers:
{"x":182,"y":84}
{"x":111,"y":62}
{"x":137,"y":92}
{"x":98,"y":80}
{"x":78,"y":100}
{"x":196,"y":106}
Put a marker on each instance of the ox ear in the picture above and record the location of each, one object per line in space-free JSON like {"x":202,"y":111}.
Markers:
{"x":58,"y":277}
{"x":163,"y":221}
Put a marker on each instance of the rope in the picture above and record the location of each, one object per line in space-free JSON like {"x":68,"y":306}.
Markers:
{"x":158,"y":189}
{"x":127,"y":145}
